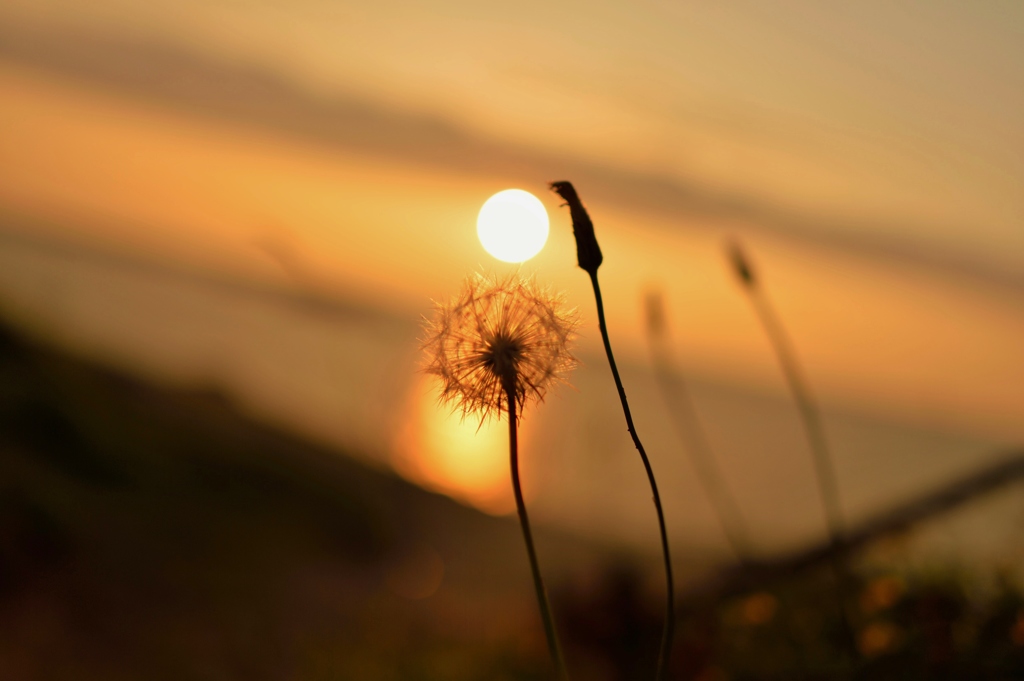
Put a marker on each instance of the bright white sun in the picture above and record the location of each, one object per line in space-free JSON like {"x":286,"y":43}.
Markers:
{"x":513,"y":225}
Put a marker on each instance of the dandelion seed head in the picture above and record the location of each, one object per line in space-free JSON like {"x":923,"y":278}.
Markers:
{"x":498,"y":333}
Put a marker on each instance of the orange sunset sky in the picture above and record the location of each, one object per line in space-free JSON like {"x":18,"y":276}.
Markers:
{"x":870,"y":155}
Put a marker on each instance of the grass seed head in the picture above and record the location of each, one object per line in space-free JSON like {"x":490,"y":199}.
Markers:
{"x":740,"y":263}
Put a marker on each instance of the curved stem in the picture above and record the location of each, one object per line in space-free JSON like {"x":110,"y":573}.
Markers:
{"x":670,"y":616}
{"x":524,"y":521}
{"x":810,"y":415}
{"x":828,"y":486}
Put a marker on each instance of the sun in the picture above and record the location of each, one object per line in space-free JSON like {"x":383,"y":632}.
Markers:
{"x":513,"y":225}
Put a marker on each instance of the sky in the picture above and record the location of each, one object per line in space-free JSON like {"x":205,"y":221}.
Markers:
{"x":875,"y":113}
{"x":870,"y":156}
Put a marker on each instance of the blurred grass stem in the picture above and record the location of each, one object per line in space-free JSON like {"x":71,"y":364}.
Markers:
{"x":810,"y":416}
{"x":524,"y":521}
{"x":685,"y":420}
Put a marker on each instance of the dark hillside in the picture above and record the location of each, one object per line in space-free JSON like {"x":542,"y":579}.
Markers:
{"x":148,"y":533}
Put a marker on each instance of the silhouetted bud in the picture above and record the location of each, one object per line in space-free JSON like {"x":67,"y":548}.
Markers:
{"x":588,"y":253}
{"x":740,"y":264}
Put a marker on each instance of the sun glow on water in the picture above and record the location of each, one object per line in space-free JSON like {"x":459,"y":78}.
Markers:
{"x":513,"y":225}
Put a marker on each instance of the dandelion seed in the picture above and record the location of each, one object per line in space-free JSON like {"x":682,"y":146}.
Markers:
{"x":495,"y":335}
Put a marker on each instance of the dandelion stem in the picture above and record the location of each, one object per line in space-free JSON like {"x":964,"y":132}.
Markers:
{"x":670,"y":616}
{"x":524,"y":521}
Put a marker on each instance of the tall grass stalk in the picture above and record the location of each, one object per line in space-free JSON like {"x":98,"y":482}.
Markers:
{"x":589,"y":258}
{"x":810,"y":416}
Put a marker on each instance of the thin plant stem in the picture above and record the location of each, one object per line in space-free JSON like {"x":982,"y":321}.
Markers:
{"x":670,"y":616}
{"x":524,"y":521}
{"x":589,"y":258}
{"x":810,"y":416}
{"x":685,"y":420}
{"x":809,"y":413}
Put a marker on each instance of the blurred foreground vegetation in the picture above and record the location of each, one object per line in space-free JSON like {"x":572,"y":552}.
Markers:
{"x":151,"y":533}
